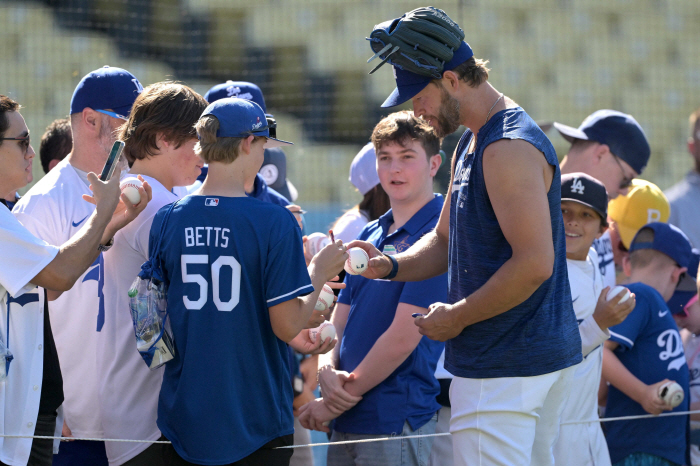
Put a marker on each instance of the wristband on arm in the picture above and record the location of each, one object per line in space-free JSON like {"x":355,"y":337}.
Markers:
{"x":394,"y":268}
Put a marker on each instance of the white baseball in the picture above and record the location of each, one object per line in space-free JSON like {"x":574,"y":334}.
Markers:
{"x":325,"y":298}
{"x":616,"y":291}
{"x":672,"y":394}
{"x":130,"y":187}
{"x":356,"y":263}
{"x":316,"y":242}
{"x":325,"y":330}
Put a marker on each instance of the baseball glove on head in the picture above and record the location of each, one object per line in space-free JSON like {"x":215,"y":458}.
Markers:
{"x":421,"y":41}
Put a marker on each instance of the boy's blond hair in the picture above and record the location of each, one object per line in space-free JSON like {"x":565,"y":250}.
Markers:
{"x":216,"y":149}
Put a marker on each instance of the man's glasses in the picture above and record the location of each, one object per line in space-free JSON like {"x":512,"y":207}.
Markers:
{"x":272,"y":126}
{"x":113,"y":114}
{"x":23,"y":142}
{"x":626,"y":182}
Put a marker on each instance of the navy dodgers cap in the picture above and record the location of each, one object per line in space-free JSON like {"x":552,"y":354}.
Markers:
{"x":681,"y":297}
{"x":106,"y":88}
{"x":240,"y":118}
{"x":670,"y":240}
{"x":586,"y":190}
{"x":409,"y":84}
{"x":240,"y":89}
{"x":619,"y":131}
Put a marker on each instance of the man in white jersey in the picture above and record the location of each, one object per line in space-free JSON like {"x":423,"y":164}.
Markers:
{"x":611,"y":147}
{"x":54,"y":211}
{"x":31,"y":394}
{"x":160,"y":139}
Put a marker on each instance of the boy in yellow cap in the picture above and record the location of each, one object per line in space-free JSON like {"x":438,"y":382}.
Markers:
{"x":644,"y":203}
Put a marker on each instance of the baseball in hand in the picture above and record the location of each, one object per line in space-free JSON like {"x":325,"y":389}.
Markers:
{"x":356,"y":263}
{"x":325,"y":330}
{"x":325,"y":298}
{"x":616,"y":291}
{"x":671,"y":393}
{"x":130,"y":187}
{"x":316,"y":242}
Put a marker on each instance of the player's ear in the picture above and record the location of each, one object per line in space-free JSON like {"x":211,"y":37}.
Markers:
{"x":626,"y":265}
{"x":90,"y":119}
{"x":450,"y":81}
{"x":599,"y":152}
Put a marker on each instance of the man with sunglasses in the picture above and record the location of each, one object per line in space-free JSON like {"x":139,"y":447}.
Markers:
{"x":611,"y":147}
{"x":53,"y":210}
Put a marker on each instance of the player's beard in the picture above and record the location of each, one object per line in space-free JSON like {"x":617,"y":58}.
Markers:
{"x":448,"y":114}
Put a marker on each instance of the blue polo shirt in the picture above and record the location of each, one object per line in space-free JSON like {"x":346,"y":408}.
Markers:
{"x":408,"y":394}
{"x":652,"y":350}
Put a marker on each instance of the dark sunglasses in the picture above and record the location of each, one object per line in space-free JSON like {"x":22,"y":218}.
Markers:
{"x":23,"y":142}
{"x":626,"y":182}
{"x":272,"y":126}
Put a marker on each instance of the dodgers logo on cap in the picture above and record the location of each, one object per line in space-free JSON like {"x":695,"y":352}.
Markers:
{"x":240,"y":118}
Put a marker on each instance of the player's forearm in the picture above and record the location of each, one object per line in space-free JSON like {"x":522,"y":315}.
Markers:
{"x":427,"y":258}
{"x":74,"y":256}
{"x":511,"y":285}
{"x":388,"y":353}
{"x":620,"y":377}
{"x":592,"y":336}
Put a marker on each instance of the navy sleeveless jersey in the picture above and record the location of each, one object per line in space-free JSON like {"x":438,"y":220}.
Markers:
{"x":538,"y":336}
{"x":227,"y":260}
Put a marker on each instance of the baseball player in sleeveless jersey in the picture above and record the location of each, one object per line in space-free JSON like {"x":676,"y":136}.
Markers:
{"x":509,"y":326}
{"x":611,"y":147}
{"x":54,"y":211}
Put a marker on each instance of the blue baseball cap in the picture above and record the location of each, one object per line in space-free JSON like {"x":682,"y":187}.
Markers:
{"x":240,"y":118}
{"x":619,"y":131}
{"x":669,"y":240}
{"x":240,"y":89}
{"x":409,"y":84}
{"x":586,"y":190}
{"x":681,"y":296}
{"x":106,"y":88}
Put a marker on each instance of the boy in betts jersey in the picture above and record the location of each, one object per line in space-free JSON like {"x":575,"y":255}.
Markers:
{"x":645,"y":351}
{"x":685,"y":307}
{"x":236,"y":275}
{"x":584,"y":208}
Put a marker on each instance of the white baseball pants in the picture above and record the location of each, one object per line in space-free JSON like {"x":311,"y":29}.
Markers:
{"x":509,"y":420}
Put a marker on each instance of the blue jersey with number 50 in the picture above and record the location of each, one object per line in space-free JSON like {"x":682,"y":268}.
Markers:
{"x":226,"y":261}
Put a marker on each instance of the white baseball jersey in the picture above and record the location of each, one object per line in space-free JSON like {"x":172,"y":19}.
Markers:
{"x":128,"y":388}
{"x":606,"y":262}
{"x":23,"y":257}
{"x":584,"y":444}
{"x":54,"y":211}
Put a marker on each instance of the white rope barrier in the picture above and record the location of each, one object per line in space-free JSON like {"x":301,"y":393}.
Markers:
{"x":346,"y":442}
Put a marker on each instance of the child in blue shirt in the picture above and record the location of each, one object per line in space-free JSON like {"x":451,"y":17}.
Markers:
{"x":380,"y":378}
{"x":239,"y":288}
{"x":645,"y":351}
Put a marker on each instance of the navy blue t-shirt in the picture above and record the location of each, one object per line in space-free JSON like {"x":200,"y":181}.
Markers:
{"x":539,"y":335}
{"x":408,"y":394}
{"x":652,"y":350}
{"x":261,"y":190}
{"x":227,"y":260}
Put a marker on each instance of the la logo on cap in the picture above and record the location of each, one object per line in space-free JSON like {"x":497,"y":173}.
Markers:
{"x":577,"y":186}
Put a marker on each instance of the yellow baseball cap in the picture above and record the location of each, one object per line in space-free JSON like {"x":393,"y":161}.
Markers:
{"x":644,"y":203}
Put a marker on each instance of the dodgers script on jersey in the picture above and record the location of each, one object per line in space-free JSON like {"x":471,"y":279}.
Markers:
{"x":652,"y":350}
{"x":54,"y":211}
{"x":128,"y":389}
{"x":225,"y":394}
{"x":606,"y":262}
{"x":584,"y":444}
{"x":538,"y":336}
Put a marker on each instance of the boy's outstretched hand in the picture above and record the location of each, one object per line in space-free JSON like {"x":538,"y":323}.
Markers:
{"x":651,"y":401}
{"x":610,"y":313}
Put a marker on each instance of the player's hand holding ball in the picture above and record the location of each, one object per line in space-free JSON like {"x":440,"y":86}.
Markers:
{"x":440,"y":323}
{"x":614,"y":305}
{"x":379,"y":266}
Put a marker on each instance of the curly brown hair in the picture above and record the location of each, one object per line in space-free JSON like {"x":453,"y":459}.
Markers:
{"x":404,"y":126}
